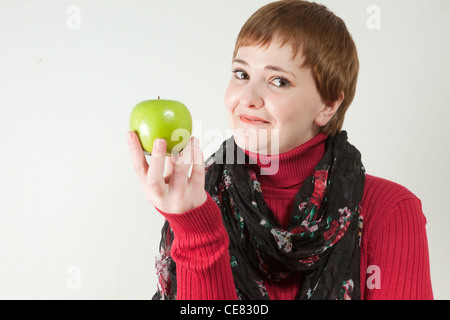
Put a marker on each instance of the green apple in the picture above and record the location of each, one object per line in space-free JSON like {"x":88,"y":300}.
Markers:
{"x":166,"y":119}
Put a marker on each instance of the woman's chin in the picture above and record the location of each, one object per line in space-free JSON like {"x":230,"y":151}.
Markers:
{"x":257,"y":141}
{"x":252,"y":144}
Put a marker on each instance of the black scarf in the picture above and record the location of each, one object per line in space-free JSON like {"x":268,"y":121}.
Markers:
{"x":322,"y":242}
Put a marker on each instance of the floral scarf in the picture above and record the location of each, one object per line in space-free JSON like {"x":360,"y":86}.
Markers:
{"x":322,"y":242}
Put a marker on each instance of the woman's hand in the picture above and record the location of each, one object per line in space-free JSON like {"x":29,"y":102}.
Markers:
{"x":165,"y":179}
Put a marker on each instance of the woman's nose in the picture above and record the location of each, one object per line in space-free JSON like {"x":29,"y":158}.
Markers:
{"x":251,"y":96}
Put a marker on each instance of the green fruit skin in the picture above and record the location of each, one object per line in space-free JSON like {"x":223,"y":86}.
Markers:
{"x":153,"y":119}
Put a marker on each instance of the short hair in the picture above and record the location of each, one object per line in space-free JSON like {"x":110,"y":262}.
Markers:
{"x":322,"y":38}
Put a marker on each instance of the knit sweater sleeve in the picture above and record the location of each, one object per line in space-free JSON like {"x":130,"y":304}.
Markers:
{"x":395,"y":256}
{"x":200,"y":250}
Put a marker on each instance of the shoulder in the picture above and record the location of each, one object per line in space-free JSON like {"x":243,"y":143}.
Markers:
{"x":384,"y":201}
{"x":382,"y":192}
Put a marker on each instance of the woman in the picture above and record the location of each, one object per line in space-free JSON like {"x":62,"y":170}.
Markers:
{"x":284,"y":208}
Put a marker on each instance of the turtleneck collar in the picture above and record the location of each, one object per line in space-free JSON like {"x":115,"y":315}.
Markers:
{"x":292,"y":168}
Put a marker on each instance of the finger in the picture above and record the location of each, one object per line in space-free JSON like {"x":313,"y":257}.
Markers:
{"x":169,"y":165}
{"x":137,"y":155}
{"x":168,"y":168}
{"x":197,"y":179}
{"x":179,"y":179}
{"x":155,"y":173}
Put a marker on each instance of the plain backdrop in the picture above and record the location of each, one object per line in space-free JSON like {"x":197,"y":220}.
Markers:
{"x":74,"y":222}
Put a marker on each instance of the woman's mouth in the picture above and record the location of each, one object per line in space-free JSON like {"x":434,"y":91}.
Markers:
{"x":252,"y":120}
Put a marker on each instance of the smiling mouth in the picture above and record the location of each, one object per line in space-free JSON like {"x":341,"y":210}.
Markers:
{"x":252,"y":120}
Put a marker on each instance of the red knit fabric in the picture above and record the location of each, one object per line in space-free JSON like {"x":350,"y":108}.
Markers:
{"x":394,"y":248}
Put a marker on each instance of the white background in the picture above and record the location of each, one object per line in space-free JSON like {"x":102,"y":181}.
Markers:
{"x":69,"y":197}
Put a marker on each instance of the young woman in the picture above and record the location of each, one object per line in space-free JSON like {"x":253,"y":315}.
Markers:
{"x":284,"y":208}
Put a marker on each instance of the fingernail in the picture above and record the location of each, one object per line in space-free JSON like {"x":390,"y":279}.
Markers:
{"x":159,"y":145}
{"x":130,"y":136}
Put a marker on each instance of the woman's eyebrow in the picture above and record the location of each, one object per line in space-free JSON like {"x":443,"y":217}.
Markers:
{"x":268,"y":67}
{"x":276,"y":68}
{"x":241,"y":62}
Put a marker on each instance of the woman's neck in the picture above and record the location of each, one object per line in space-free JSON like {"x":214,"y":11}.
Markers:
{"x":289,"y":169}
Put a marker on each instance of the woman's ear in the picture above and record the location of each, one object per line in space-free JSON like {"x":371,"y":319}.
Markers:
{"x":328,"y":111}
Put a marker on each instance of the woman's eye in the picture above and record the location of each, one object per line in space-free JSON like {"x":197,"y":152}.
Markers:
{"x":240,"y":74}
{"x":281,"y":82}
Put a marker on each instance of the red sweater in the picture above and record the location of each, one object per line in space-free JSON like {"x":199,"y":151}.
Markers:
{"x":394,"y":249}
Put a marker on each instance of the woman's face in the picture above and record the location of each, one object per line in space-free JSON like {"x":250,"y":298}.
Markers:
{"x":272,"y":101}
